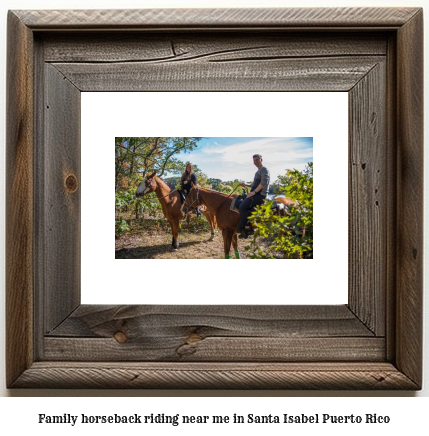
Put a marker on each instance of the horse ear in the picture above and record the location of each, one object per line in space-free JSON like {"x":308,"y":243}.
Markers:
{"x":192,"y":184}
{"x":150,"y":176}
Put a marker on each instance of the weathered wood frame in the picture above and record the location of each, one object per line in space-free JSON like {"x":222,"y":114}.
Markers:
{"x":373,"y":342}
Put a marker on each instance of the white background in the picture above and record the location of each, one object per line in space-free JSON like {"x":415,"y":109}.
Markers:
{"x":21,"y":413}
{"x":321,"y":115}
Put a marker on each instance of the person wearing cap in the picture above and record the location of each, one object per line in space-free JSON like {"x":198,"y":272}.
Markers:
{"x":258,"y":192}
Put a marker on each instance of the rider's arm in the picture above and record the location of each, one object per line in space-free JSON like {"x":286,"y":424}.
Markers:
{"x":265,"y":179}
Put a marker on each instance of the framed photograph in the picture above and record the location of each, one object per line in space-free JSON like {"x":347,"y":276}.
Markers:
{"x":295,"y":121}
{"x":55,"y":339}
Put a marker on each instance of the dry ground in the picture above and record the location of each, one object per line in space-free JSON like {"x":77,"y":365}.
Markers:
{"x":150,"y":238}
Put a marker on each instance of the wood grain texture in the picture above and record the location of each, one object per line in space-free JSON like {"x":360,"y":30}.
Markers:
{"x":330,"y":74}
{"x":368,"y":202}
{"x":207,"y":18}
{"x":61,"y":206}
{"x":110,"y":375}
{"x":202,"y":46}
{"x":391,"y":192}
{"x":409,"y":278}
{"x":189,"y":347}
{"x":39,"y":201}
{"x":19,"y":200}
{"x":214,"y":333}
{"x":99,"y":321}
{"x":192,"y":348}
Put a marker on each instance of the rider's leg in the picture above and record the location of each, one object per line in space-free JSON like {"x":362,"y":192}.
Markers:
{"x":245,"y":210}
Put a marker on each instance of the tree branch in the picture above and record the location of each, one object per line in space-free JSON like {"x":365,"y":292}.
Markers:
{"x":133,"y":152}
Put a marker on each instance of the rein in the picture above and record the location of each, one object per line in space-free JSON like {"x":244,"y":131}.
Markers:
{"x":159,"y":198}
{"x":227,"y":197}
{"x":174,"y":190}
{"x":196,"y":199}
{"x":214,"y":210}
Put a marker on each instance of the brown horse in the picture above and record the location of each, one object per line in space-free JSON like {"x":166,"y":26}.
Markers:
{"x":287,"y":203}
{"x":171,"y":205}
{"x":219,"y":205}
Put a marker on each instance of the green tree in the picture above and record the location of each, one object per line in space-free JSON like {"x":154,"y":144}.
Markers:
{"x":291,"y":235}
{"x":138,"y":156}
{"x":215,"y":183}
{"x":275,"y":188}
{"x":233,"y":185}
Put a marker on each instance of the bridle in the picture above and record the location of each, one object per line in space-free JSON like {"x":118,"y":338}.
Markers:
{"x":199,"y":202}
{"x":195,"y":200}
{"x":149,"y":186}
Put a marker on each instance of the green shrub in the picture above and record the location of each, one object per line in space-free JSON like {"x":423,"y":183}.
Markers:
{"x":289,"y":236}
{"x":121,"y":226}
{"x":126,"y":201}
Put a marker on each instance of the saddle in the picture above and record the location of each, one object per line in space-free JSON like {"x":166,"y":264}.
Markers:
{"x":236,"y":202}
{"x":182,"y":196}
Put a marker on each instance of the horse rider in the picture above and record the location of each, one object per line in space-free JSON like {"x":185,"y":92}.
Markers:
{"x":258,"y":192}
{"x":189,"y":177}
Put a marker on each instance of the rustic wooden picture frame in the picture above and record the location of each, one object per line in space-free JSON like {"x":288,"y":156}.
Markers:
{"x":373,"y":342}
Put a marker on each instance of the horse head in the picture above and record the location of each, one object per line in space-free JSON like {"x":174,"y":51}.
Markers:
{"x":147,"y":185}
{"x":192,"y":200}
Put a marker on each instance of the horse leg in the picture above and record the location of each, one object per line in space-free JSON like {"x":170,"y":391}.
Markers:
{"x":235,"y":245}
{"x":175,"y":229}
{"x":227,"y":237}
{"x":172,"y":232}
{"x":210,"y":220}
{"x":171,"y":226}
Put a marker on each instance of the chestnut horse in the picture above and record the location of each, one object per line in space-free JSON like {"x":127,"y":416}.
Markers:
{"x":219,"y":204}
{"x":287,"y":203}
{"x":171,"y":205}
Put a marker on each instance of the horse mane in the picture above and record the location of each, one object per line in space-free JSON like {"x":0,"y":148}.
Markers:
{"x":216,"y":192}
{"x":162,"y":183}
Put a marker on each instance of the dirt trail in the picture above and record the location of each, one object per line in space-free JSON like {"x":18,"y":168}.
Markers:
{"x":154,"y":242}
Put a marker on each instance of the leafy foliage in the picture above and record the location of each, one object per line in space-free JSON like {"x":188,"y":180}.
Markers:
{"x":220,"y":186}
{"x":291,"y":235}
{"x":121,"y":226}
{"x":135,"y":157}
{"x":126,"y":201}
